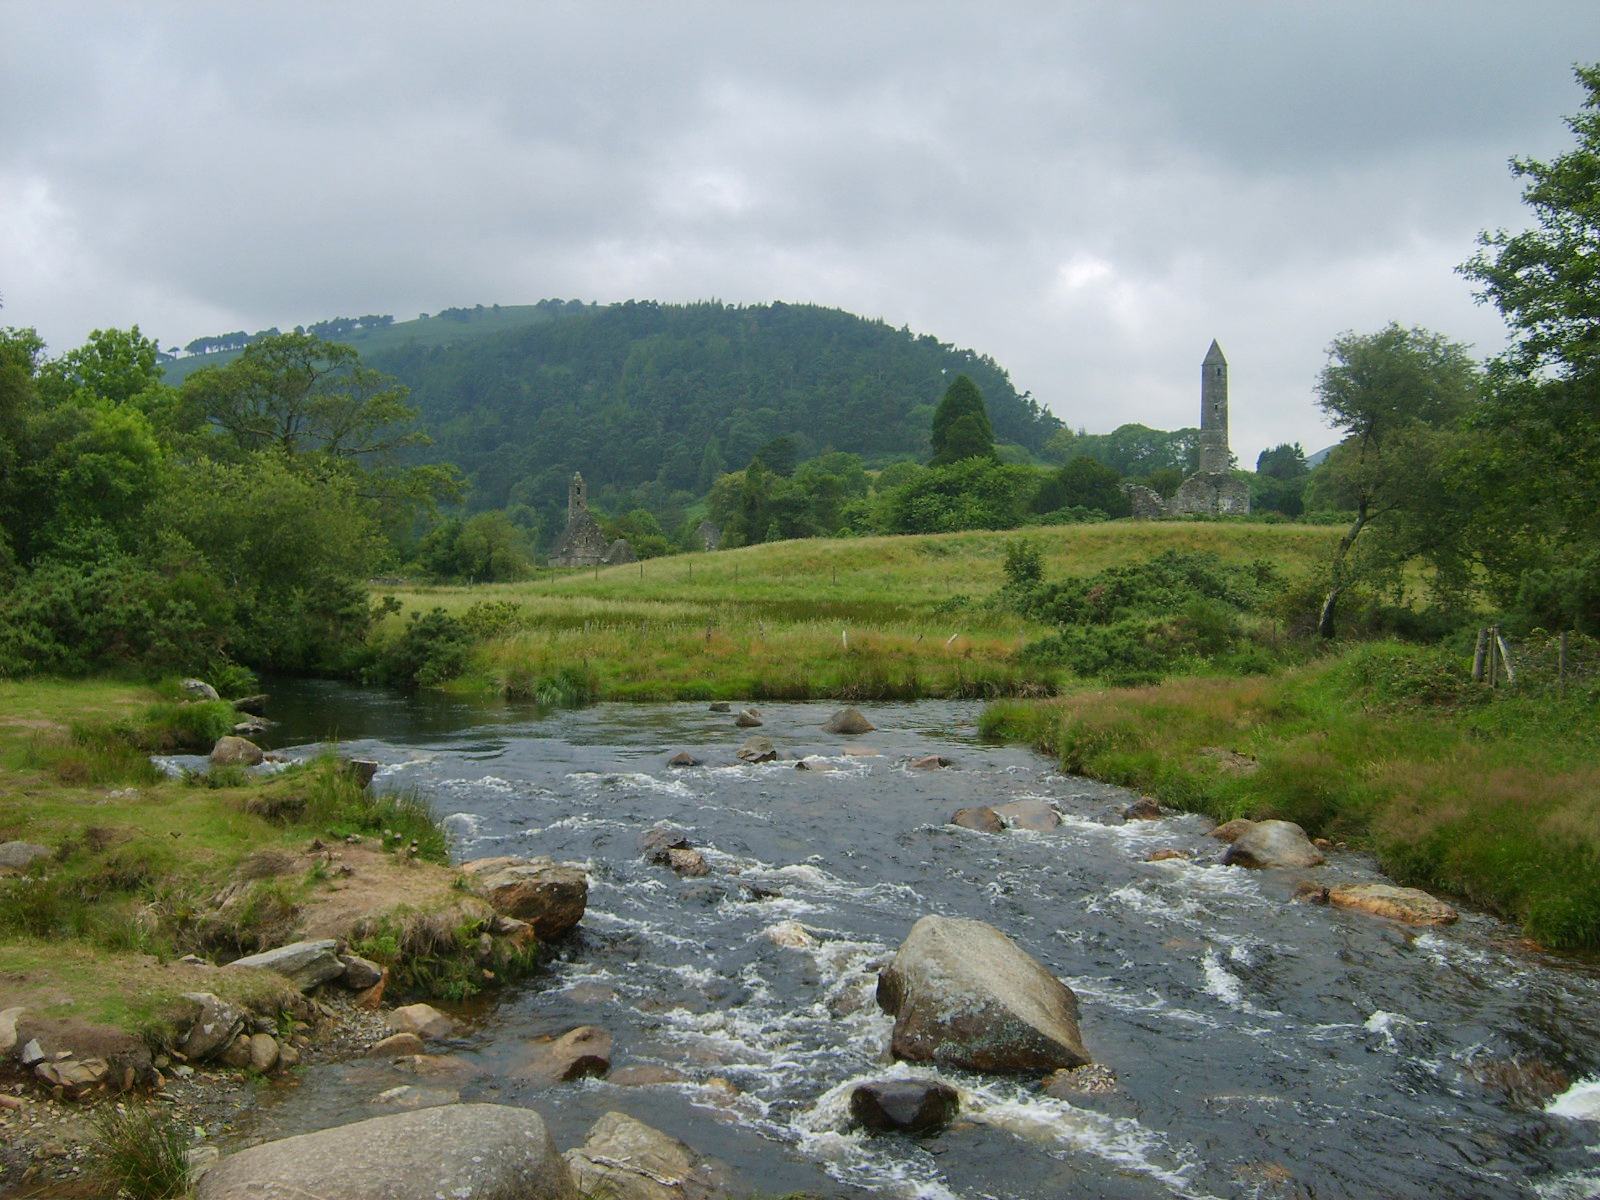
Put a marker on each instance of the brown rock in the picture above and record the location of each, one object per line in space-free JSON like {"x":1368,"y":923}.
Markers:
{"x":236,"y":1053}
{"x":263,"y":1052}
{"x":1142,"y":809}
{"x":981,"y":818}
{"x":930,"y":762}
{"x":397,"y":1045}
{"x":1167,"y":854}
{"x":683,"y":759}
{"x":585,"y":1050}
{"x":815,"y":764}
{"x":628,"y":1160}
{"x":549,"y":896}
{"x":1095,"y":1079}
{"x":1229,"y":831}
{"x":236,"y":751}
{"x":687,"y":862}
{"x":1407,"y":905}
{"x":913,"y":1106}
{"x":424,"y":1020}
{"x":1308,"y":891}
{"x":747,"y":719}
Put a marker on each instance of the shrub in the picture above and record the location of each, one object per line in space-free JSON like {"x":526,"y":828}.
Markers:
{"x":432,"y":649}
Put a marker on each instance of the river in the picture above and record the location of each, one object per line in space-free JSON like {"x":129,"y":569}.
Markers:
{"x":1262,"y":1048}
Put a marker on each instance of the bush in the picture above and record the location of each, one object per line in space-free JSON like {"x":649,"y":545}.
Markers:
{"x":432,"y":649}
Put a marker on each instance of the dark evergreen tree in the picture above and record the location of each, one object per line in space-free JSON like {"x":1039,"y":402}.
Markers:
{"x":961,"y":427}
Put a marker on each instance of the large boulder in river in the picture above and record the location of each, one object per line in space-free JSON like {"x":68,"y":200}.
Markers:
{"x":1407,"y":905}
{"x":485,"y":1151}
{"x":963,"y":994}
{"x":548,"y":895}
{"x":848,"y":720}
{"x":1273,"y":844}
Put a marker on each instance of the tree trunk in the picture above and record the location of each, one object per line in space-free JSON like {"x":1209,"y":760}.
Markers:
{"x":1339,"y":579}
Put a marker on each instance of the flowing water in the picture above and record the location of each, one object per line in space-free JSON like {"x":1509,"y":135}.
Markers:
{"x":1262,"y":1048}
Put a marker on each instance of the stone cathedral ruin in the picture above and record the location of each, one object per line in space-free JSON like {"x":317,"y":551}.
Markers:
{"x":1212,"y":490}
{"x":582,"y":544}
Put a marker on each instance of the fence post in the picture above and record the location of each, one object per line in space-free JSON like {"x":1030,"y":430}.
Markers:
{"x":1505,"y":653}
{"x":1478,"y":655}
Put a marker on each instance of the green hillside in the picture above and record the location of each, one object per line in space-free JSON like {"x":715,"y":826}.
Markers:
{"x":441,"y":328}
{"x":666,"y":397}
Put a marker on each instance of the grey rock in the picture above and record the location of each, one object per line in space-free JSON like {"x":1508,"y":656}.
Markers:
{"x":360,"y":973}
{"x":481,"y":1151}
{"x":362,"y":770}
{"x":1269,"y":844}
{"x":74,"y":1075}
{"x":904,"y":1105}
{"x":1035,"y":815}
{"x":757,"y":750}
{"x":263,"y":1052}
{"x":32,"y":1052}
{"x":964,"y":994}
{"x":214,"y":1024}
{"x":396,"y":1045}
{"x":720,"y":706}
{"x":198,"y":689}
{"x":409,"y":1095}
{"x":848,"y":720}
{"x":16,"y":856}
{"x":748,"y":719}
{"x":625,"y":1159}
{"x":8,"y":1030}
{"x":683,"y":759}
{"x":305,"y":964}
{"x":255,"y":705}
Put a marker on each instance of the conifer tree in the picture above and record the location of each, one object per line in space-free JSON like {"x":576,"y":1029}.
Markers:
{"x":961,"y":426}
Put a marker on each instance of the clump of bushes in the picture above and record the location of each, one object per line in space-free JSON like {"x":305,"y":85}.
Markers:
{"x":1140,"y":622}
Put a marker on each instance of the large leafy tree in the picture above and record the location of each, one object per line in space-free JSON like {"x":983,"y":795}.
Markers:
{"x":1399,"y":396}
{"x":961,"y":427}
{"x":1541,"y":455}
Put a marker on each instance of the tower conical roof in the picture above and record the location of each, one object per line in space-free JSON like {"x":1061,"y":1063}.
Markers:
{"x":1214,"y":355}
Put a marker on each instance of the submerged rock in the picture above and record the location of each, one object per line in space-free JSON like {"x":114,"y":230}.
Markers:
{"x":904,"y":1105}
{"x":980,"y":818}
{"x":964,"y":994}
{"x":1269,"y":844}
{"x":482,"y":1151}
{"x":583,"y":1051}
{"x":757,"y":750}
{"x":930,"y":762}
{"x":1035,"y":815}
{"x":424,"y":1020}
{"x":683,"y":759}
{"x":1142,"y":809}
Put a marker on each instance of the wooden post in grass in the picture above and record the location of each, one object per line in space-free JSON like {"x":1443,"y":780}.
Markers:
{"x":1505,"y":655}
{"x":844,"y":638}
{"x":1478,"y":655}
{"x":708,"y":633}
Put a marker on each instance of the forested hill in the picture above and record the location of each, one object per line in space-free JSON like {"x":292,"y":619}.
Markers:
{"x":666,"y":397}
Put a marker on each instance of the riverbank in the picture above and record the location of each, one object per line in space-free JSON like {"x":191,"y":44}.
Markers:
{"x":1492,"y":797}
{"x":120,"y":887}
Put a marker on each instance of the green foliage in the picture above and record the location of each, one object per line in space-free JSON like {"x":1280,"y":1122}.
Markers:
{"x":433,"y":648}
{"x":1140,"y":622}
{"x":974,"y":493}
{"x":1084,"y":483}
{"x":485,"y":548}
{"x":142,"y":1151}
{"x":337,"y":805}
{"x":1132,"y":451}
{"x":1023,"y":564}
{"x":961,"y":427}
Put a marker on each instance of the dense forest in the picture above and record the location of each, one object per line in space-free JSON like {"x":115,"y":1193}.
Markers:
{"x":666,"y":398}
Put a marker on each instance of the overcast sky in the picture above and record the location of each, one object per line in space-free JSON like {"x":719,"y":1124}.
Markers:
{"x":1087,"y":192}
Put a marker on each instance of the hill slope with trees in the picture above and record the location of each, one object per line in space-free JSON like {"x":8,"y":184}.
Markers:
{"x":652,"y":401}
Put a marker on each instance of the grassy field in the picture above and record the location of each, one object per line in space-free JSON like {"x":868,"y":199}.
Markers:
{"x":881,"y":617}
